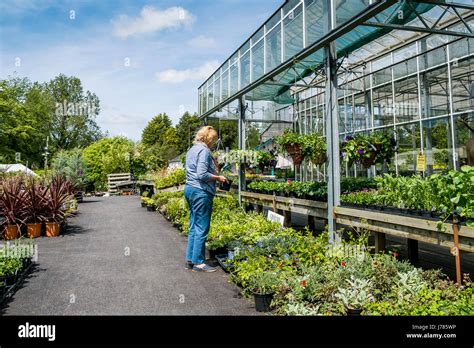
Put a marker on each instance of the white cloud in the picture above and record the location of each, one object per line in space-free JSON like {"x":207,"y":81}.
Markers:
{"x":202,"y":41}
{"x":152,"y":20}
{"x":198,"y":73}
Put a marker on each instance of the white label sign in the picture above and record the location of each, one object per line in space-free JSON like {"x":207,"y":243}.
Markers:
{"x":276,"y":217}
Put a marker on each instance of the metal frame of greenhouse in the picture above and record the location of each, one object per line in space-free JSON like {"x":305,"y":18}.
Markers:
{"x":345,"y":66}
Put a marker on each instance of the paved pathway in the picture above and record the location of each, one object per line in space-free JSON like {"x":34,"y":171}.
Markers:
{"x":87,"y":265}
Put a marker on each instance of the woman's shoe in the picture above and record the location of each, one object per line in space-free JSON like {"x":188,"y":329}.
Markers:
{"x":206,"y":268}
{"x":189,"y":265}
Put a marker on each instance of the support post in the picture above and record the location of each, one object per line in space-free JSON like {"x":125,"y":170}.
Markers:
{"x":332,"y":128}
{"x":241,"y":135}
{"x":412,"y":250}
{"x":379,"y":242}
{"x":455,"y":250}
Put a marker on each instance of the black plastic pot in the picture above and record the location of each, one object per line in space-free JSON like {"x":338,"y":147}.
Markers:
{"x":218,"y":251}
{"x":353,"y":312}
{"x":9,"y":280}
{"x":150,"y":208}
{"x":143,"y":204}
{"x":262,"y":302}
{"x":225,"y":186}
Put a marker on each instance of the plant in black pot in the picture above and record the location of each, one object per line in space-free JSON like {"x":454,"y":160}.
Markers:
{"x":263,"y":286}
{"x":355,"y":295}
{"x":9,"y":267}
{"x":150,"y":204}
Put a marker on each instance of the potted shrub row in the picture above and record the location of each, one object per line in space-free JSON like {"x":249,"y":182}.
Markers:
{"x":32,"y":202}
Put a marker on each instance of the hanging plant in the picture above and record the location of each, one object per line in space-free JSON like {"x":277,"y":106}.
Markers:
{"x":291,"y":143}
{"x":315,"y":149}
{"x":367,"y":150}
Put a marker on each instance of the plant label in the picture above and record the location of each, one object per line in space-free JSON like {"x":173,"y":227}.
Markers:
{"x":274,"y":217}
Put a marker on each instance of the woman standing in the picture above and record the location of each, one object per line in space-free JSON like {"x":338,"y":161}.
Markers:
{"x":201,"y":177}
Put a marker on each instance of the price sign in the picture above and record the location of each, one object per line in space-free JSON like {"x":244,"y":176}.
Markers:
{"x":454,"y":251}
{"x":276,"y":217}
{"x":421,"y":163}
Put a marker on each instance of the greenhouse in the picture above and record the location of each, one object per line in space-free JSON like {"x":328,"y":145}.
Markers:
{"x":346,"y":68}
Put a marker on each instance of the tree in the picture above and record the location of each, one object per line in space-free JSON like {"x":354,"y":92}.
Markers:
{"x":25,"y":114}
{"x":73,"y":121}
{"x":154,"y":132}
{"x":186,"y":129}
{"x":108,"y":156}
{"x":227,"y":131}
{"x":253,"y":137}
{"x":71,"y":164}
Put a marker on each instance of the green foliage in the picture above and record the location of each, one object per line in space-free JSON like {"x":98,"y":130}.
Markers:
{"x":377,"y":147}
{"x":263,"y":283}
{"x":107,"y":156}
{"x":452,"y":192}
{"x":186,"y":129}
{"x":356,"y":293}
{"x":314,"y":148}
{"x":170,"y":178}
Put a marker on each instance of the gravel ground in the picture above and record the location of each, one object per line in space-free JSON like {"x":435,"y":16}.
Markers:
{"x":115,"y":258}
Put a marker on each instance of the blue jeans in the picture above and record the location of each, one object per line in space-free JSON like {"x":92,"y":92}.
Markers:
{"x":200,"y":209}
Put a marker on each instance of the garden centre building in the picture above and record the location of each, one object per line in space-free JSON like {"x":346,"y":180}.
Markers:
{"x":341,"y":67}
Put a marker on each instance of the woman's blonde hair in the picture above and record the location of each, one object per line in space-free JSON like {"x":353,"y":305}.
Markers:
{"x":206,"y":135}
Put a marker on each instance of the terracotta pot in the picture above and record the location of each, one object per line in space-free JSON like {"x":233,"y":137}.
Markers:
{"x":11,"y":232}
{"x":52,"y":229}
{"x":33,"y":230}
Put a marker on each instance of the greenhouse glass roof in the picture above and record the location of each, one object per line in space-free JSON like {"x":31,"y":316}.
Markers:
{"x":289,"y":46}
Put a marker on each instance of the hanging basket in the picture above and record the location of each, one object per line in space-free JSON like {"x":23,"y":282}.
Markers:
{"x":319,"y":159}
{"x":295,"y":153}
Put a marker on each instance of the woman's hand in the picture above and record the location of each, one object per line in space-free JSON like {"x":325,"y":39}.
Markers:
{"x":222,"y":179}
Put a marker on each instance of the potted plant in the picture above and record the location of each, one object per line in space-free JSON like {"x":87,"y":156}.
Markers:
{"x":150,"y":204}
{"x":264,"y":159}
{"x":9,"y":267}
{"x":263,"y":285}
{"x":12,"y":203}
{"x":34,"y":208}
{"x":291,"y":142}
{"x":356,"y":295}
{"x":57,"y":195}
{"x":144,"y":196}
{"x":314,"y":148}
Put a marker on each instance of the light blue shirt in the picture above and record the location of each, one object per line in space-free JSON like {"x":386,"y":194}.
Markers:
{"x":200,"y":167}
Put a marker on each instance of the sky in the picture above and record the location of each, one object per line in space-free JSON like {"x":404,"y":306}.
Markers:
{"x":140,"y":57}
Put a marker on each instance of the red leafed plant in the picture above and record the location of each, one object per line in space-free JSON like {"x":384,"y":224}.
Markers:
{"x":36,"y":201}
{"x":12,"y":201}
{"x":57,"y":195}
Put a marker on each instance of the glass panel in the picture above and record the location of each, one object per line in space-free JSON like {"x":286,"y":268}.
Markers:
{"x":210,"y":95}
{"x":406,"y":100}
{"x":273,"y":53}
{"x":361,"y":113}
{"x":257,"y":35}
{"x":293,"y":33}
{"x":382,"y":76}
{"x":245,"y":70}
{"x":463,"y":132}
{"x":234,"y":79}
{"x":383,"y":106}
{"x":316,"y":20}
{"x":217,"y":90}
{"x":434,"y":91}
{"x":225,"y":85}
{"x":257,"y":61}
{"x":433,"y":58}
{"x":437,"y":145}
{"x":273,"y":21}
{"x":345,"y":10}
{"x":290,"y":4}
{"x":462,"y":82}
{"x":408,"y":136}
